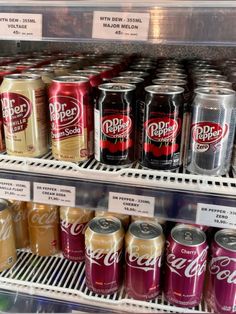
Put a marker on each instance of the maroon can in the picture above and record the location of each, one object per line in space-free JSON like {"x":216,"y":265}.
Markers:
{"x":220,"y":293}
{"x":114,"y":118}
{"x":106,"y":72}
{"x":2,"y":137}
{"x":185,"y":266}
{"x":103,"y":258}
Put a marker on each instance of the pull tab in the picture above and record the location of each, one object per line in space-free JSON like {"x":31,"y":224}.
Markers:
{"x":188,"y":236}
{"x":104,"y":223}
{"x":144,"y":227}
{"x":231,"y":241}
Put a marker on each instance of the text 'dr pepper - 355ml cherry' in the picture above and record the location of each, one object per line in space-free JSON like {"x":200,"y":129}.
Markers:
{"x":185,"y":266}
{"x":114,"y":119}
{"x":144,"y":246}
{"x":103,"y":260}
{"x":163,"y":117}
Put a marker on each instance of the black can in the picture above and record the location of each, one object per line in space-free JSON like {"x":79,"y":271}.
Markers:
{"x":163,"y":118}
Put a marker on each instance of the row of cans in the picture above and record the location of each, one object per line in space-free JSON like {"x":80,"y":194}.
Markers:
{"x":161,"y":124}
{"x":180,"y":265}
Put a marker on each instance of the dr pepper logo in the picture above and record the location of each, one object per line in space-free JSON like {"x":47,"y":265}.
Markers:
{"x":116,"y":126}
{"x":162,"y":129}
{"x":16,"y":110}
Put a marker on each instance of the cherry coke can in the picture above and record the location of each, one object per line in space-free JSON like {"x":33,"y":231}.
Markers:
{"x":163,"y":118}
{"x":144,"y":246}
{"x":185,"y":265}
{"x":103,"y":258}
{"x":220,"y":293}
{"x":114,"y":120}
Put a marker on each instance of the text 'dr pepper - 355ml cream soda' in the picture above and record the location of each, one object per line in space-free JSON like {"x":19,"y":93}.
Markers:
{"x":24,"y":115}
{"x":103,"y":260}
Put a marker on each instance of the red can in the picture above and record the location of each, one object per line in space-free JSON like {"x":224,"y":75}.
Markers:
{"x":94,"y":77}
{"x":2,"y":137}
{"x":185,"y":266}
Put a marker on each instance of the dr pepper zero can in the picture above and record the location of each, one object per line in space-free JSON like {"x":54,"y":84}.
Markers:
{"x":163,"y":117}
{"x":221,"y":280}
{"x":144,"y":246}
{"x":185,"y":266}
{"x":103,"y":260}
{"x":71,"y":115}
{"x":24,"y":113}
{"x":114,"y":118}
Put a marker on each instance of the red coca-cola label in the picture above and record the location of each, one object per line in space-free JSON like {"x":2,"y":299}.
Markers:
{"x":162,"y":129}
{"x":16,"y":110}
{"x":116,"y":126}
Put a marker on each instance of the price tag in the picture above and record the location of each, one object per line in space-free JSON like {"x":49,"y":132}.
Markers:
{"x":20,"y":26}
{"x":54,"y":194}
{"x":130,"y":204}
{"x":16,"y":190}
{"x":120,"y":25}
{"x":216,"y":216}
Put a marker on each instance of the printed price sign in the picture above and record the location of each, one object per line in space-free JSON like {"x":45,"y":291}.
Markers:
{"x":130,"y":204}
{"x":20,"y":26}
{"x":16,"y":190}
{"x":54,"y":194}
{"x":120,"y":25}
{"x":216,"y":216}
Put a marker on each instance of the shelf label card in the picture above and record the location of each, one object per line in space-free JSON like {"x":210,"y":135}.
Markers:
{"x":14,"y":189}
{"x":53,"y":194}
{"x":20,"y":26}
{"x":131,"y":204}
{"x":120,"y":25}
{"x":216,"y":216}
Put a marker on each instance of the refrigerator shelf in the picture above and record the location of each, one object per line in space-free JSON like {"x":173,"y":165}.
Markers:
{"x":58,"y":278}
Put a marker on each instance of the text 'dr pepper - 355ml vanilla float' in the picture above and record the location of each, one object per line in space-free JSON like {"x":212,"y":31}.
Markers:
{"x":71,"y":115}
{"x":24,"y":114}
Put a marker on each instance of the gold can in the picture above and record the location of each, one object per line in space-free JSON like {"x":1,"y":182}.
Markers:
{"x":125,"y":219}
{"x":47,"y":74}
{"x":43,"y":221}
{"x":7,"y":240}
{"x":24,"y":115}
{"x":157,"y":220}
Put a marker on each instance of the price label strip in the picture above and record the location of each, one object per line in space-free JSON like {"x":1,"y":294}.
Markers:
{"x":21,"y":26}
{"x":216,"y":216}
{"x":54,"y":194}
{"x":120,"y":25}
{"x":14,"y":189}
{"x":131,"y":204}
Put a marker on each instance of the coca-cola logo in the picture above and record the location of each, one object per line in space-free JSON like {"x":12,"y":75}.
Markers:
{"x":75,"y":228}
{"x":145,"y":262}
{"x":5,"y":228}
{"x":100,"y":257}
{"x":116,"y":126}
{"x":162,"y":129}
{"x":16,"y":110}
{"x":44,"y":219}
{"x":223,"y":268}
{"x":19,"y":216}
{"x":208,"y":132}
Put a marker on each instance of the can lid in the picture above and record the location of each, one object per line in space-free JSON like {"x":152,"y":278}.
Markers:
{"x":171,"y":70}
{"x":226,"y":238}
{"x":169,"y":81}
{"x":3,"y":204}
{"x":105,"y":225}
{"x":145,"y":230}
{"x":209,"y":91}
{"x":71,"y":79}
{"x":39,"y":70}
{"x":99,"y":67}
{"x":23,"y":77}
{"x":134,"y":73}
{"x":208,"y":76}
{"x":164,"y":89}
{"x":214,"y":83}
{"x":188,"y":235}
{"x":116,"y":87}
{"x":88,"y":73}
{"x":127,"y":79}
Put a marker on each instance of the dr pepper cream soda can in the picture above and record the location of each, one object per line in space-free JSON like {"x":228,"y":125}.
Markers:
{"x":103,"y":260}
{"x":24,"y":114}
{"x":185,"y":266}
{"x":71,"y":116}
{"x":114,"y":120}
{"x":144,"y":246}
{"x":220,"y":292}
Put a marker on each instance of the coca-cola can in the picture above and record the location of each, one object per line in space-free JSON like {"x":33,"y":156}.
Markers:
{"x":73,"y":223}
{"x":125,"y":219}
{"x":103,"y":258}
{"x":220,"y":292}
{"x":7,"y":240}
{"x":185,"y":265}
{"x":144,"y":246}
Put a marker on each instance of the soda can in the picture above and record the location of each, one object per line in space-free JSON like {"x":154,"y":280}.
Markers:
{"x":125,"y":219}
{"x":6,"y":70}
{"x":94,"y":77}
{"x":216,"y":77}
{"x":103,"y":258}
{"x":60,"y":69}
{"x":163,"y":118}
{"x":43,"y":222}
{"x":71,"y":116}
{"x":73,"y":223}
{"x":2,"y":136}
{"x":144,"y":246}
{"x":7,"y":240}
{"x":23,"y":65}
{"x":24,"y":115}
{"x":220,"y":292}
{"x":115,"y":126}
{"x":185,"y":266}
{"x":155,"y":220}
{"x":213,"y":83}
{"x":146,"y":76}
{"x":20,"y":223}
{"x":211,"y":131}
{"x":46,"y":74}
{"x":106,"y":72}
{"x":173,"y":76}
